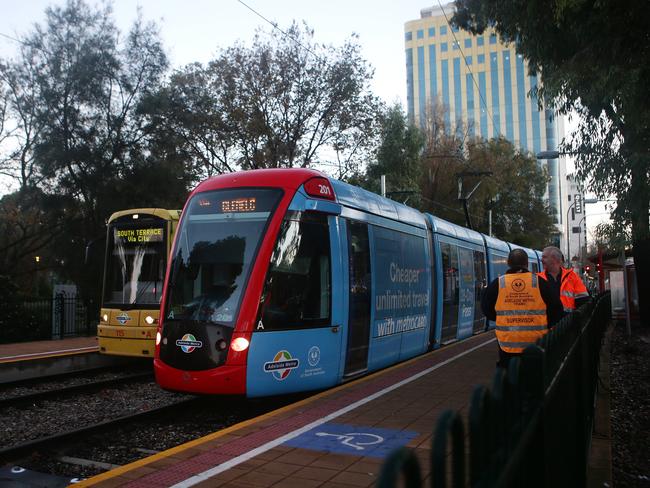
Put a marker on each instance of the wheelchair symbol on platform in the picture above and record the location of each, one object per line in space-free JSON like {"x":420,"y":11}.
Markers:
{"x":356,"y":440}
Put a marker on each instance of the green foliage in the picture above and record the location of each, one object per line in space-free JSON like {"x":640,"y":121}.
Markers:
{"x":79,"y":146}
{"x":593,"y":56}
{"x":397,"y":157}
{"x":422,"y":167}
{"x":514,"y":193}
{"x":285,"y":101}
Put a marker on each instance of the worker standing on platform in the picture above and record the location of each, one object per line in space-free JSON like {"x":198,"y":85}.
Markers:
{"x":564,"y":282}
{"x":523,"y":306}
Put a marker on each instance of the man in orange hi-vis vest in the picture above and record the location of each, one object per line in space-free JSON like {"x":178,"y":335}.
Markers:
{"x":523,"y":306}
{"x":564,"y":282}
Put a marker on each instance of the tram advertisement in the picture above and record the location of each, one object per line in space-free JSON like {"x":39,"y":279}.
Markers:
{"x":401,"y":300}
{"x":466,"y":294}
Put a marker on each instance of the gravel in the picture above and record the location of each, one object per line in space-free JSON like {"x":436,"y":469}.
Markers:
{"x":47,"y":384}
{"x":630,"y":406}
{"x":69,"y":412}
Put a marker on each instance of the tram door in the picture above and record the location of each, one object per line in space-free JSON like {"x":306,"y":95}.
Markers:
{"x":360,"y":295}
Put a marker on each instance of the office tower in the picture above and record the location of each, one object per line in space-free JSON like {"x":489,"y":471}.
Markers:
{"x":483,"y":84}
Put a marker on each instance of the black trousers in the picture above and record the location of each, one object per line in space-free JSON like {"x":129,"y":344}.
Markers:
{"x":504,"y":357}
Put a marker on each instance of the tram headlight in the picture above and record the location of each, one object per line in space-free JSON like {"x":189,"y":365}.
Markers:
{"x":158,"y":336}
{"x":239,"y":344}
{"x":105,"y":317}
{"x":149,"y":320}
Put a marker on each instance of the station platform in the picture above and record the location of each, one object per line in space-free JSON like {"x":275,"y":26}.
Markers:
{"x":22,"y":361}
{"x":336,"y":438}
{"x":24,"y":351}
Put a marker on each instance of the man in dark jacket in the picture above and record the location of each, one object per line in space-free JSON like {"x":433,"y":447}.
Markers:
{"x":524,"y":307}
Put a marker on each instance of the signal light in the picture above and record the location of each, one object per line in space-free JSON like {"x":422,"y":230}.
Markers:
{"x":239,"y":344}
{"x":158,"y":336}
{"x":587,"y":269}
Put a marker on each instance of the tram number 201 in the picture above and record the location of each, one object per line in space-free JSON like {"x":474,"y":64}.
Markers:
{"x":324,"y":190}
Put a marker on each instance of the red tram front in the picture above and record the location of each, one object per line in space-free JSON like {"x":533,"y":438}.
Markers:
{"x":245,"y":261}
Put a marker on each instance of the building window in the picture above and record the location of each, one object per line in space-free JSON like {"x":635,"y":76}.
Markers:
{"x":455,"y":46}
{"x":432,"y":31}
{"x":408,"y":36}
{"x":480,"y":59}
{"x":468,"y":60}
{"x":454,"y":28}
{"x":493,"y":38}
{"x":443,"y":47}
{"x":443,"y":30}
{"x":420,"y":34}
{"x":479,"y":41}
{"x":468,"y":43}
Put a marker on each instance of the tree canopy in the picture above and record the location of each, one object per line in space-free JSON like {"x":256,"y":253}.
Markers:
{"x":285,"y":101}
{"x":592,"y":55}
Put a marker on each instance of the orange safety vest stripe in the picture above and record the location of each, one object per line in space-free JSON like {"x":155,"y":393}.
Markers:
{"x":521,"y":312}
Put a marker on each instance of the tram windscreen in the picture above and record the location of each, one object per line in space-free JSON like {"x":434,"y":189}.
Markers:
{"x":215,"y":248}
{"x":136,"y":262}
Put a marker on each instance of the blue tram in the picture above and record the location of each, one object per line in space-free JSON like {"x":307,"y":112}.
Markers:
{"x":286,"y":280}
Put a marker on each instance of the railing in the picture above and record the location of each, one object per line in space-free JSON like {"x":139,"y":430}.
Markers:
{"x":53,"y":318}
{"x":532,"y":427}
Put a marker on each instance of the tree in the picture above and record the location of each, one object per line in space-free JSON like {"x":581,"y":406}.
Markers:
{"x":593,"y":58}
{"x":397,"y":157}
{"x":286,"y":101}
{"x":77,"y":132}
{"x":514,"y":193}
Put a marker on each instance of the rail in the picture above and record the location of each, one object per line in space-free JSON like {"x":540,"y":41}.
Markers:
{"x":532,"y":427}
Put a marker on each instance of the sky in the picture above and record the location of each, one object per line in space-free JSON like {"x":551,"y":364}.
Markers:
{"x":194,"y":30}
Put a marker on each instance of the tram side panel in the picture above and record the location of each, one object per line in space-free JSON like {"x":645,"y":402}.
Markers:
{"x":297,"y":340}
{"x":401,"y":304}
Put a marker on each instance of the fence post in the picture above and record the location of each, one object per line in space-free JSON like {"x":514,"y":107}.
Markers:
{"x":478,"y":421}
{"x":404,"y":461}
{"x":532,"y":407}
{"x":448,"y":421}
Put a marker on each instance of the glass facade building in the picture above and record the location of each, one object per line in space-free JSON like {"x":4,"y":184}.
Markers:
{"x":483,"y":85}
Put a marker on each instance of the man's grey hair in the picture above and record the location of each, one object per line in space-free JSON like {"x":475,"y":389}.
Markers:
{"x":555,"y":252}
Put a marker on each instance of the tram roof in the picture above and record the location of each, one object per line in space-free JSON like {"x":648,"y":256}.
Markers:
{"x":293,"y":178}
{"x":496,"y":244}
{"x":531,"y":253}
{"x":358,"y":198}
{"x":441,"y":226}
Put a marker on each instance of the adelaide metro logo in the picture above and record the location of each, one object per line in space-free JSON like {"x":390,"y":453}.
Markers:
{"x":188,"y":343}
{"x":281,"y":365}
{"x":518,"y":285}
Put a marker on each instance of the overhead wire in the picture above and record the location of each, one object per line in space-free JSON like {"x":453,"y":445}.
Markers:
{"x":487,"y":109}
{"x":275,"y":26}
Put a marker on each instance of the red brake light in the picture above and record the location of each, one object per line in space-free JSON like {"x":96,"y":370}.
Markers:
{"x":320,"y":188}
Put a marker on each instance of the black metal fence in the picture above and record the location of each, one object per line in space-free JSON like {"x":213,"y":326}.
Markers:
{"x":532,"y":427}
{"x":43,"y":319}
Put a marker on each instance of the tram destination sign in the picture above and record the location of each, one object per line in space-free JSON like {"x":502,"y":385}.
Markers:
{"x":139,"y":236}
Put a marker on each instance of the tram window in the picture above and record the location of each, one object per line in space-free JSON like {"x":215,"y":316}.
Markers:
{"x":479,"y":286}
{"x":449,"y":290}
{"x":534,"y":268}
{"x":297,"y":290}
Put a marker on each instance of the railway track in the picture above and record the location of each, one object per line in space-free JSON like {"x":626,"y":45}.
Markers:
{"x":57,"y":391}
{"x":73,"y":436}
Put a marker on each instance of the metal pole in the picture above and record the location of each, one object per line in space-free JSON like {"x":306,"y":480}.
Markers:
{"x":383,"y":185}
{"x":568,"y":238}
{"x":628,"y":325}
{"x":490,"y":223}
